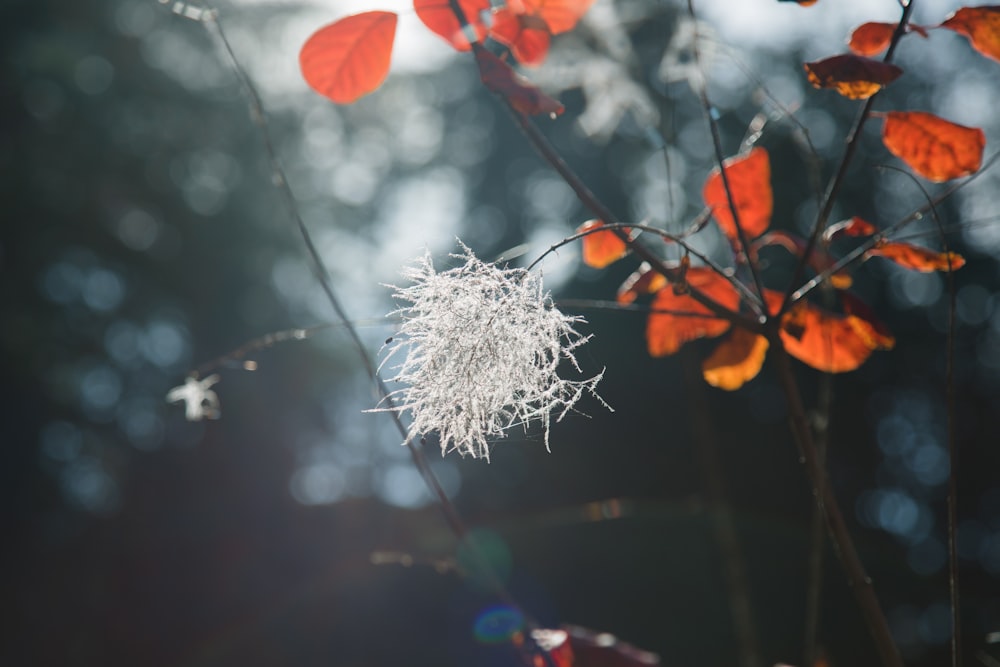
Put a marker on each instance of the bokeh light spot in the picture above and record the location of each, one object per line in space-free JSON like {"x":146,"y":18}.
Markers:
{"x":498,"y":624}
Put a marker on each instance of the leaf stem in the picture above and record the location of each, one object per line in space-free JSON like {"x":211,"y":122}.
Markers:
{"x":857,"y":578}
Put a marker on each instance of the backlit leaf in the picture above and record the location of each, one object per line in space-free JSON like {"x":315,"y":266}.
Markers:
{"x":560,"y":15}
{"x":916,"y":258}
{"x":601,"y":248}
{"x":869,"y":39}
{"x":687,"y":319}
{"x":526,"y":35}
{"x":642,"y":281}
{"x":854,"y":227}
{"x":981,"y":25}
{"x":852,"y":76}
{"x":349,"y":58}
{"x":750,"y":184}
{"x":737,"y":360}
{"x":935,"y":148}
{"x":827,"y":341}
{"x":499,"y":77}
{"x":439,"y":17}
{"x":866,"y":324}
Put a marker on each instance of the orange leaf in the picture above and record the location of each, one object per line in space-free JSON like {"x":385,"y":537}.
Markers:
{"x":917,"y":258}
{"x":736,"y":360}
{"x":852,"y":76}
{"x":854,"y":227}
{"x":861,"y":316}
{"x":869,"y":39}
{"x":560,"y":15}
{"x":527,"y":35}
{"x":935,"y":148}
{"x":642,"y":281}
{"x":687,"y":319}
{"x":829,"y":342}
{"x":439,"y":17}
{"x":981,"y":25}
{"x":601,"y":248}
{"x":349,"y":58}
{"x":501,"y":79}
{"x":749,"y":179}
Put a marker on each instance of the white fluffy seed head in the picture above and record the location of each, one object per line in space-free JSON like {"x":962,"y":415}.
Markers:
{"x":480,"y":346}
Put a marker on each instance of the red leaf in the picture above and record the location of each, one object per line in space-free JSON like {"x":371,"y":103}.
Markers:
{"x":349,"y":58}
{"x":737,"y":360}
{"x":935,"y":148}
{"x":688,"y":319}
{"x":750,"y":182}
{"x":869,"y":39}
{"x":854,"y":227}
{"x":526,"y":35}
{"x":642,"y":281}
{"x":560,"y":15}
{"x":865,"y":322}
{"x":829,"y":342}
{"x":501,"y":79}
{"x":439,"y":17}
{"x":916,"y":258}
{"x":981,"y":25}
{"x":601,"y":248}
{"x":852,"y":76}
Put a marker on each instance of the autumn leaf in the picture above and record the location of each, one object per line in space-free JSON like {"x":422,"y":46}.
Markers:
{"x":852,"y":76}
{"x":737,"y":360}
{"x":937,"y":149}
{"x":440,"y":18}
{"x":854,"y":227}
{"x":685,"y":319}
{"x":641,"y":281}
{"x":866,"y":324}
{"x":827,"y":341}
{"x":526,"y":35}
{"x":349,"y":58}
{"x":980,"y":25}
{"x":559,"y":15}
{"x":869,"y":39}
{"x":916,"y":258}
{"x":601,"y":248}
{"x":749,"y":179}
{"x":500,"y":78}
{"x":802,"y":3}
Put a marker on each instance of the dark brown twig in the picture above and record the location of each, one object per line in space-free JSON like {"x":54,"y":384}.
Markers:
{"x":833,"y":189}
{"x":843,"y":544}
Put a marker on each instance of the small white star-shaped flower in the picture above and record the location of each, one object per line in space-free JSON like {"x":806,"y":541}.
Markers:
{"x":200,"y":402}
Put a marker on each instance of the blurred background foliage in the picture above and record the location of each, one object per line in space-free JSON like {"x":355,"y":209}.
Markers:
{"x":143,"y":237}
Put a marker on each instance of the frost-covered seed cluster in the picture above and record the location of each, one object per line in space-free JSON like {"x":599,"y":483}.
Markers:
{"x":480,"y":346}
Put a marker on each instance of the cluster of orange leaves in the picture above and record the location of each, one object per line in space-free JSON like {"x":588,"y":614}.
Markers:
{"x":833,"y":342}
{"x":350,"y":58}
{"x":829,"y":341}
